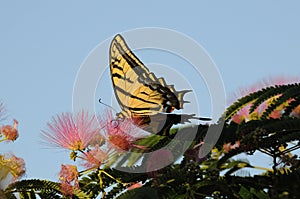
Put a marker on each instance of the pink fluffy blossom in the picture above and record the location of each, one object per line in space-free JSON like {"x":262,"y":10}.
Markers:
{"x":280,"y":80}
{"x":11,"y":169}
{"x":72,"y":132}
{"x":245,"y":115}
{"x":121,"y":133}
{"x":68,"y":176}
{"x":94,"y":158}
{"x":10,"y":133}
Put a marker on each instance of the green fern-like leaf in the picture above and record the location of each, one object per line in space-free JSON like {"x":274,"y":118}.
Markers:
{"x":291,"y":92}
{"x":43,"y":188}
{"x":287,"y":92}
{"x":38,"y":186}
{"x":242,"y":102}
{"x":269,"y":92}
{"x":292,"y":105}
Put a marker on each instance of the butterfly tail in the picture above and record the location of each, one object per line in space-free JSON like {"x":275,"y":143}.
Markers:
{"x":180,"y":95}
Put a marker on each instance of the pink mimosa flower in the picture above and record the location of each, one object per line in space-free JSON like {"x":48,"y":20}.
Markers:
{"x":72,"y":132}
{"x":276,"y":114}
{"x":245,"y":115}
{"x":10,"y":132}
{"x":281,"y":80}
{"x":258,"y":86}
{"x":69,"y":179}
{"x":95,"y":158}
{"x":241,"y":115}
{"x":11,"y":169}
{"x":121,"y":133}
{"x":67,"y":189}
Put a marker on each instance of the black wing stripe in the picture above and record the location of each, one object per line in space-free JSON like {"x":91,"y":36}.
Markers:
{"x":132,"y":96}
{"x":121,"y":45}
{"x":119,"y":76}
{"x":132,"y":63}
{"x":117,"y":67}
{"x":138,"y":91}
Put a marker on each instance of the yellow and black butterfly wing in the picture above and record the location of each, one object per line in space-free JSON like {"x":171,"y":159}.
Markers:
{"x":138,"y":91}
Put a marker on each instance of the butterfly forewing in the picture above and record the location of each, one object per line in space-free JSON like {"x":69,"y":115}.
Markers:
{"x":140,"y":94}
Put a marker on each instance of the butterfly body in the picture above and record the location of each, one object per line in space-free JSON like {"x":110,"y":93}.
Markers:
{"x":141,"y":95}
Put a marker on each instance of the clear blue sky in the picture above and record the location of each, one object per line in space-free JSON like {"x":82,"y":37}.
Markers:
{"x":42,"y":45}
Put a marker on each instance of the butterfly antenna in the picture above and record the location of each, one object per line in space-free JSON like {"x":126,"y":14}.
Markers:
{"x":107,"y":105}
